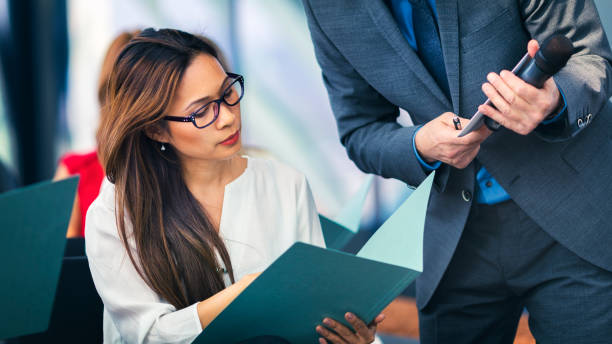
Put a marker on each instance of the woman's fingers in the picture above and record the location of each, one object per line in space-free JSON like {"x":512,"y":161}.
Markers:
{"x":362,"y":329}
{"x":378,"y":319}
{"x":335,"y":332}
{"x":329,"y":335}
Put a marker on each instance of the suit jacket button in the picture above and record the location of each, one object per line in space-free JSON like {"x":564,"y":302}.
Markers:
{"x":467,"y":196}
{"x":580,"y":122}
{"x":589,"y":118}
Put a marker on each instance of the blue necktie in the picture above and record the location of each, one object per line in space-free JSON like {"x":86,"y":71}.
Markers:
{"x":428,"y":44}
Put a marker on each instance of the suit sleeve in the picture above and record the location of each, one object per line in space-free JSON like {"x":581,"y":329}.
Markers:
{"x":586,"y":79}
{"x":366,"y":120}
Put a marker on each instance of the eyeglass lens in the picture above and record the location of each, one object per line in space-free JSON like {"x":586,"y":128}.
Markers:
{"x":208,"y":114}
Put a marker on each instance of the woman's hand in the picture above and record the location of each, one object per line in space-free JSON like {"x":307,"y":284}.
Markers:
{"x":335,"y":332}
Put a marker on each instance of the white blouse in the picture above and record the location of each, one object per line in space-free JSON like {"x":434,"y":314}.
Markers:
{"x":265,"y":210}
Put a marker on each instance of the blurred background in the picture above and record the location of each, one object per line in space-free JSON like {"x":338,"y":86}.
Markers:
{"x":52,"y":53}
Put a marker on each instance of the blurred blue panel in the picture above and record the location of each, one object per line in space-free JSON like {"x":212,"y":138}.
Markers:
{"x":604,"y":7}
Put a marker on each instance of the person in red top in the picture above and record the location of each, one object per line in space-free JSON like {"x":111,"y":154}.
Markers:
{"x":91,"y":176}
{"x":87,"y":165}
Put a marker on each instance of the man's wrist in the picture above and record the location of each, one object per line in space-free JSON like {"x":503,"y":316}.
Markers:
{"x":558,"y":112}
{"x":429,"y":166}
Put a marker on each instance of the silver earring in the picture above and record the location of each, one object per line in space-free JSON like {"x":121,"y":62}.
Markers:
{"x":163,"y":147}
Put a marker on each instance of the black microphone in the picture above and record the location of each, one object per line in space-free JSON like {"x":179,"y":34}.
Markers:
{"x":550,"y":58}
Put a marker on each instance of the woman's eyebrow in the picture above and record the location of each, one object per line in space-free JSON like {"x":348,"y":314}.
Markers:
{"x":207,"y":98}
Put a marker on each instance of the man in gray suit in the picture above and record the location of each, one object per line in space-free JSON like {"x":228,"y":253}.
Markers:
{"x":518,"y":218}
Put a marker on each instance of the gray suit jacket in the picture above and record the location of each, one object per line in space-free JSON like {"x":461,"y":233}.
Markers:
{"x":560,"y":175}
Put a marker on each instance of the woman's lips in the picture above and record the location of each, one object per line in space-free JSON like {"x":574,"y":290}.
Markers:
{"x":232,"y":139}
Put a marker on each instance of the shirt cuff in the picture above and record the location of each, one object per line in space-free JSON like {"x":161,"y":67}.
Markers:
{"x":428,"y":167}
{"x":560,"y":114}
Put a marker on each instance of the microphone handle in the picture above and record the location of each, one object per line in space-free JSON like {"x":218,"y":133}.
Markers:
{"x":528,"y":71}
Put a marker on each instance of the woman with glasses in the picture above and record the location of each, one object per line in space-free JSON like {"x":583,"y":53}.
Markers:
{"x":184,"y":223}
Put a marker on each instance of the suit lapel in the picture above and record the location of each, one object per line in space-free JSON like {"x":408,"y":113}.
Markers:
{"x":448,"y":24}
{"x":386,"y":24}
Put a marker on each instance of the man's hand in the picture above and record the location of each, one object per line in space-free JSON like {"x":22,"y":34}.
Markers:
{"x":437,"y":140}
{"x":519,"y":106}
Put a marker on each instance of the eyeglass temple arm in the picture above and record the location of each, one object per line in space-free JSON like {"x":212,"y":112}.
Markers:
{"x":178,"y":119}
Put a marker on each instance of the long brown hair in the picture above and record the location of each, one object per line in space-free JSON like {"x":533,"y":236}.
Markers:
{"x":175,"y":242}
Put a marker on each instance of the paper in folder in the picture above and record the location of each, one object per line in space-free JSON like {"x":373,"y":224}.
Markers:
{"x":307,"y":283}
{"x":33,"y":224}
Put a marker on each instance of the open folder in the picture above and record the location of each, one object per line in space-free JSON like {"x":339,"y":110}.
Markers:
{"x":308,"y":283}
{"x":33,"y":224}
{"x":339,"y":231}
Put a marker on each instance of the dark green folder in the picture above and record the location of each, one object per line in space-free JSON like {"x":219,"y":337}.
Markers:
{"x":288,"y":304}
{"x":33,"y":224}
{"x":336,"y":236}
{"x":307,"y":283}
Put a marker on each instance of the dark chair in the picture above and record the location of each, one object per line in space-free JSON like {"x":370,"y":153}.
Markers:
{"x":77,"y":310}
{"x":75,"y":247}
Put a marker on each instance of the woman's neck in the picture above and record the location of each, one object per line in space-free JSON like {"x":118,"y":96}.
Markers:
{"x":206,"y":180}
{"x":204,"y":176}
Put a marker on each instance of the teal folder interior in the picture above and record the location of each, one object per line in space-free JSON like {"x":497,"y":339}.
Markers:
{"x":339,"y":231}
{"x":33,"y":224}
{"x":336,"y":236}
{"x":307,"y":283}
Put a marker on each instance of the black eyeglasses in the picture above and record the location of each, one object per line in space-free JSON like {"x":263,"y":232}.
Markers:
{"x":207,"y":114}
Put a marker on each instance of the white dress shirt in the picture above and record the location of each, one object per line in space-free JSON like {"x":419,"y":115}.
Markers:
{"x":265,"y":210}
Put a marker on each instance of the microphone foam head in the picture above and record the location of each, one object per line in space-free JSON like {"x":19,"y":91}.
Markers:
{"x":554,"y":53}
